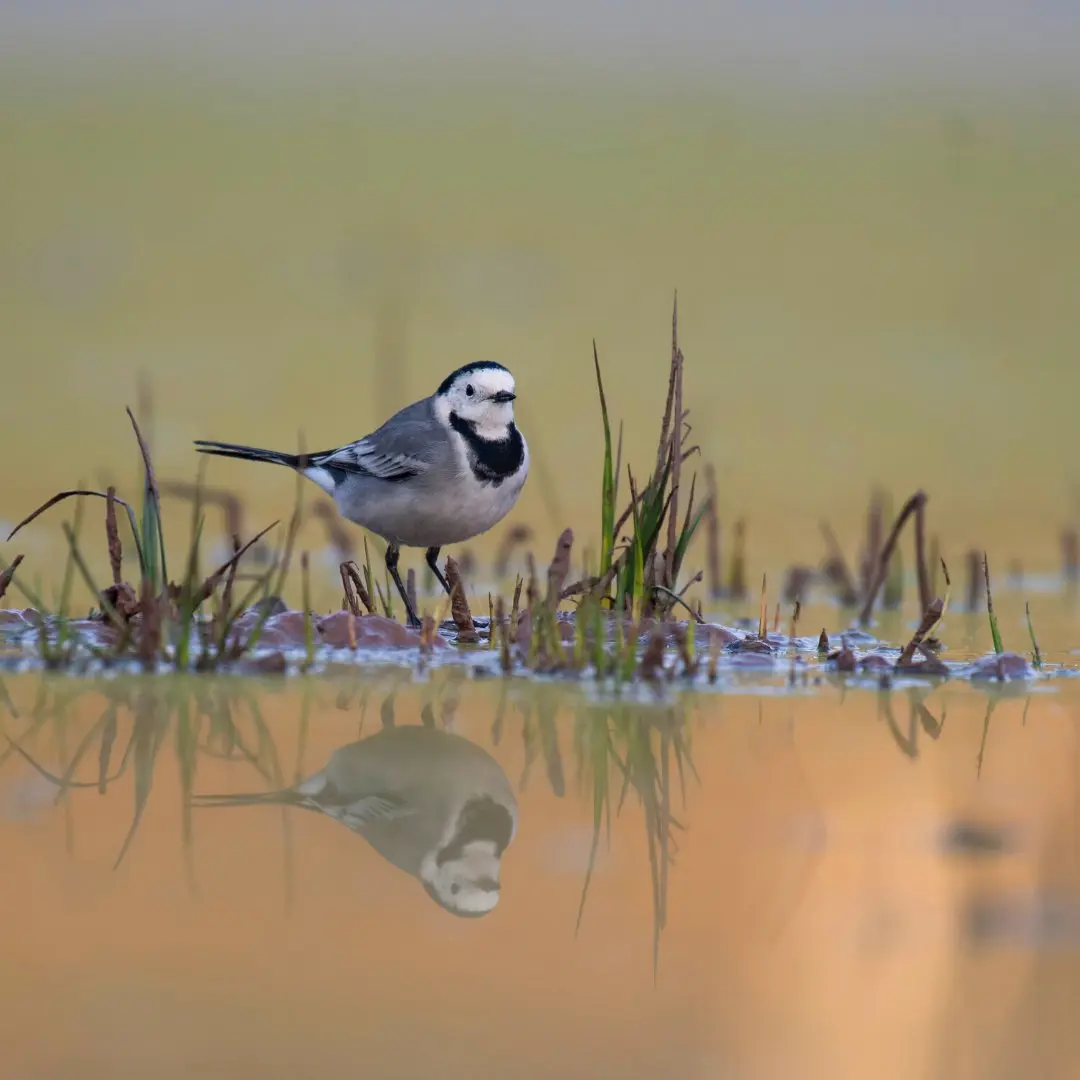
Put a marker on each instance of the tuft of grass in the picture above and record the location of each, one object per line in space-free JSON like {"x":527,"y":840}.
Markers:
{"x":642,"y":568}
{"x":156,"y":621}
{"x":606,"y":640}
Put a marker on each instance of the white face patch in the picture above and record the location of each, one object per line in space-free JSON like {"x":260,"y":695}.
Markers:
{"x":467,"y":885}
{"x":482,"y":397}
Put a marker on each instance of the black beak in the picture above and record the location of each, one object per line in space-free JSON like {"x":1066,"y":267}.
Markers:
{"x":503,"y":396}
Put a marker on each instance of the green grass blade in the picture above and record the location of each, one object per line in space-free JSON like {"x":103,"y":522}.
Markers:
{"x":631,"y":574}
{"x":637,"y":594}
{"x":1036,"y":655}
{"x":607,"y":493}
{"x":149,"y":542}
{"x":187,"y":595}
{"x":685,"y":538}
{"x":994,"y":632}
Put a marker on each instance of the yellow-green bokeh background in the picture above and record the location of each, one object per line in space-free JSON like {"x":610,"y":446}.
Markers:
{"x":873,"y":288}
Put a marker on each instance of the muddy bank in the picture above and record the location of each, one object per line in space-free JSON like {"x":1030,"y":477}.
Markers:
{"x":270,"y":638}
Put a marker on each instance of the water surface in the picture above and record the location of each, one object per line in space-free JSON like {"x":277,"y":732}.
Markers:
{"x":824,"y":885}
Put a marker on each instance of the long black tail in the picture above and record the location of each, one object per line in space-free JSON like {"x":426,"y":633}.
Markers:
{"x":246,"y":453}
{"x":285,"y":797}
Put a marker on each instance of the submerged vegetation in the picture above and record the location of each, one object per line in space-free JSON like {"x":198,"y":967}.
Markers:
{"x":631,"y":616}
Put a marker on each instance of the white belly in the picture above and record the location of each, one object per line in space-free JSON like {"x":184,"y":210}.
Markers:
{"x":435,"y":514}
{"x":480,"y":507}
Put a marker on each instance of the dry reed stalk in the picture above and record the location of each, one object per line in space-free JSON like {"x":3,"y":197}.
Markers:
{"x":459,"y":605}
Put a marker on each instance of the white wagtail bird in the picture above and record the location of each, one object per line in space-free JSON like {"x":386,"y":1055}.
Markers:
{"x":434,"y":804}
{"x":440,"y":471}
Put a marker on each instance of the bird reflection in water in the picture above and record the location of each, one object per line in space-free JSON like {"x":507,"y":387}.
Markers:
{"x":432,"y":803}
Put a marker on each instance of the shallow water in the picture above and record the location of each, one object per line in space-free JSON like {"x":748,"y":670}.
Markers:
{"x":857,"y":884}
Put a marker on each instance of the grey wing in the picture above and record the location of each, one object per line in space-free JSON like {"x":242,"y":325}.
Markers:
{"x":408,"y":444}
{"x":356,"y":808}
{"x":372,"y":810}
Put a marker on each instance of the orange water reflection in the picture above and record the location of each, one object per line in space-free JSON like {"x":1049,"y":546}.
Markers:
{"x":816,"y":926}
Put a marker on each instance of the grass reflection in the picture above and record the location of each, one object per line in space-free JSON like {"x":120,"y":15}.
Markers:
{"x":609,"y":754}
{"x":218,"y":720}
{"x":644,"y":751}
{"x":619,"y":751}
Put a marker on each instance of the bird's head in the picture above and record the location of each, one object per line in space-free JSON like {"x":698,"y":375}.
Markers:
{"x":462,"y":874}
{"x":467,"y":884}
{"x":482,"y":395}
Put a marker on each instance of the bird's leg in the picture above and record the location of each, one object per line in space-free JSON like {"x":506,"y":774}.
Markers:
{"x":432,"y":556}
{"x":392,"y":553}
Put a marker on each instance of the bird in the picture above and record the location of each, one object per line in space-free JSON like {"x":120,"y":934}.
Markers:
{"x":440,"y":471}
{"x":432,"y":803}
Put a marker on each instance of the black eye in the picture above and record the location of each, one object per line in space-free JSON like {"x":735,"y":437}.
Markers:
{"x":455,"y":889}
{"x":469,"y":390}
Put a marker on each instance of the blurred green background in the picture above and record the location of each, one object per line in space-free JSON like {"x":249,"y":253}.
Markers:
{"x":878,"y":279}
